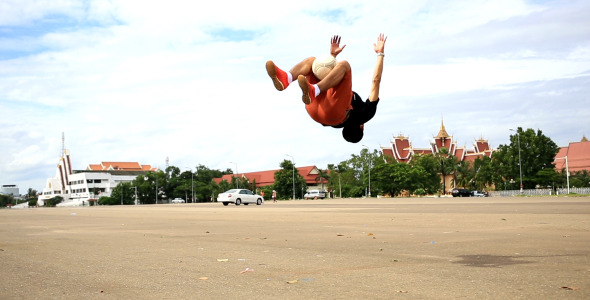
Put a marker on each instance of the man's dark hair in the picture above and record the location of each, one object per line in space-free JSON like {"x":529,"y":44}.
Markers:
{"x":352,"y":134}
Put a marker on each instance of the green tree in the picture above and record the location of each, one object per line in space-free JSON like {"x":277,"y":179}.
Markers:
{"x":284,"y":181}
{"x":537,"y":152}
{"x":323,"y":176}
{"x":123,"y":193}
{"x":394,"y":178}
{"x":447,"y":164}
{"x":148,"y":183}
{"x":547,"y":178}
{"x":483,"y":173}
{"x":105,"y":200}
{"x":464,"y":174}
{"x":52,"y":202}
{"x":5,"y":200}
{"x":428,"y":180}
{"x":31,"y":193}
{"x":581,"y":178}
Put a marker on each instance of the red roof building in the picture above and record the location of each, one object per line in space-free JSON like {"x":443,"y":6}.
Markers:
{"x":578,"y":156}
{"x":265,"y":178}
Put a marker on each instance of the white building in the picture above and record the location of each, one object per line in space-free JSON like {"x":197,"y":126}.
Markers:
{"x":10,"y":189}
{"x":79,"y":187}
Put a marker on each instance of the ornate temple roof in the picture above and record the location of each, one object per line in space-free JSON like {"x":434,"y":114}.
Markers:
{"x":401,"y":148}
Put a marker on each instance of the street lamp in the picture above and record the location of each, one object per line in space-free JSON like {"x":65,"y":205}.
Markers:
{"x":293,"y":163}
{"x":369,"y":171}
{"x":519,"y":161}
{"x":339,"y":182}
{"x":567,"y":171}
{"x":236,"y":173}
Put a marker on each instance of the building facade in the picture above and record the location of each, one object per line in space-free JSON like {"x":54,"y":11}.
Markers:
{"x":80,"y":187}
{"x":10,"y":189}
{"x":574,"y":157}
{"x":266,"y":178}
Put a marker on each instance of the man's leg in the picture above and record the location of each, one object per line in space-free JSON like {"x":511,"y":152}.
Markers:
{"x":302,"y":68}
{"x":282,"y":79}
{"x":335,"y":76}
{"x":333,"y":79}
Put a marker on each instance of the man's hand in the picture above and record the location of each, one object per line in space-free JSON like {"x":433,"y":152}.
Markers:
{"x":335,"y":48}
{"x":380,"y":44}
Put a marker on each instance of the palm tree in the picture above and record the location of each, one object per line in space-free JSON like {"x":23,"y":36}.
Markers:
{"x":322,"y":175}
{"x":447,"y":164}
{"x":463,"y":173}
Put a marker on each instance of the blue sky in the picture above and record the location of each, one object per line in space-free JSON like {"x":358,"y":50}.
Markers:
{"x":143,"y":81}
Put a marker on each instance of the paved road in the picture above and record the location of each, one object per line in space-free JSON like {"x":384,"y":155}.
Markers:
{"x":419,"y":248}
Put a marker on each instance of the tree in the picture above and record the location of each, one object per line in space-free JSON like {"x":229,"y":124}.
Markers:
{"x":52,"y":202}
{"x":322,"y":177}
{"x":537,"y":152}
{"x":148,"y":184}
{"x":447,"y":164}
{"x":104,"y":200}
{"x":32,"y":193}
{"x":393,"y":178}
{"x":123,"y":193}
{"x":464,"y":174}
{"x":547,"y":177}
{"x":5,"y":200}
{"x":429,"y":181}
{"x":284,"y":181}
{"x":483,"y":173}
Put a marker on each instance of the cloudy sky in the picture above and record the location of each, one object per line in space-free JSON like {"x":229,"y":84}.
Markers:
{"x":185,"y":80}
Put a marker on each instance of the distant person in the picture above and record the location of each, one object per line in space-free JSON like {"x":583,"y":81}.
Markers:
{"x":274,"y":196}
{"x":331,"y":101}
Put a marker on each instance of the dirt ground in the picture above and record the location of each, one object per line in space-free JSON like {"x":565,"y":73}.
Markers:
{"x":402,"y":248}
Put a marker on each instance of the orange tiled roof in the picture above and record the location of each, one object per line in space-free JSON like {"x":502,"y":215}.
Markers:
{"x":264,"y":178}
{"x":120,"y":166}
{"x":578,"y":157}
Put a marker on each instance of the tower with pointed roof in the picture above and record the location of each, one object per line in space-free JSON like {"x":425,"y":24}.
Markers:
{"x":401,"y":149}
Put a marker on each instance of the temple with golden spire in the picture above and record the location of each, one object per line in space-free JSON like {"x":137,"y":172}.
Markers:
{"x":402,"y":150}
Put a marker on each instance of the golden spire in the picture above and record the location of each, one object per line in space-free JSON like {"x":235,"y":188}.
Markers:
{"x":442,"y":133}
{"x":584,"y":139}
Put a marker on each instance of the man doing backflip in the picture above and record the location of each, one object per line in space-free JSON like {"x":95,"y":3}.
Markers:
{"x":331,"y":101}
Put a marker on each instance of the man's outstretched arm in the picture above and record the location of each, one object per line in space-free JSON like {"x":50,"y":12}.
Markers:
{"x":335,"y":48}
{"x":379,"y":49}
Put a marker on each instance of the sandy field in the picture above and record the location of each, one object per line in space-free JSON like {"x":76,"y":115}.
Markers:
{"x":402,"y":248}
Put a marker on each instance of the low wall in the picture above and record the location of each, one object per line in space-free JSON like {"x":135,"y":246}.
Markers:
{"x":539,"y":192}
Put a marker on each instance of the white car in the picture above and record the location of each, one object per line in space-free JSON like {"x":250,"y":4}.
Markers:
{"x":313,"y":194}
{"x":239,"y":196}
{"x":178,"y":200}
{"x":478,"y":194}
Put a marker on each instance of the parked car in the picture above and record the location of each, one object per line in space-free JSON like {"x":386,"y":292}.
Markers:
{"x":178,"y":200}
{"x":478,"y":194}
{"x":461,"y":193}
{"x":313,"y":194}
{"x":239,"y":196}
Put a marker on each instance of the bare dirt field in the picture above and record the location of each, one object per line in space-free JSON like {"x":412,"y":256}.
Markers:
{"x":402,"y":248}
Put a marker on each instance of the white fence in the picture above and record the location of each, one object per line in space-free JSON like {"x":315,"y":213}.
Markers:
{"x":539,"y":192}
